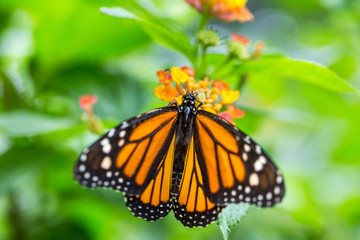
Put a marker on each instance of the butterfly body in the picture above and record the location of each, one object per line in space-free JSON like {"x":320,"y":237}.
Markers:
{"x":186,"y":115}
{"x":183,"y":159}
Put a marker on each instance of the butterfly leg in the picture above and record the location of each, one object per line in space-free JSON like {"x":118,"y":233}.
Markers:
{"x":201,"y":103}
{"x":173,"y":104}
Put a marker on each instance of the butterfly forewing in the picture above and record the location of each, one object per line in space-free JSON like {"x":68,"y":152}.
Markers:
{"x":127,"y":157}
{"x":235,"y":168}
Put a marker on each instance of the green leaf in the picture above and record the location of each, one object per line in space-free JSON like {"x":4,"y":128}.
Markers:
{"x":119,"y":13}
{"x":308,"y":72}
{"x":231,"y":216}
{"x":26,"y":123}
{"x":157,"y":29}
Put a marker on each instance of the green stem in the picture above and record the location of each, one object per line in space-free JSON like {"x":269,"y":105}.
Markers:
{"x":204,"y":20}
{"x":242,"y":80}
{"x":201,"y":66}
{"x":200,"y":58}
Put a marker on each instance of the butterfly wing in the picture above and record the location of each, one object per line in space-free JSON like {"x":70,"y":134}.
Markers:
{"x":127,"y":157}
{"x":234,"y":167}
{"x":154,"y":202}
{"x":193,"y":208}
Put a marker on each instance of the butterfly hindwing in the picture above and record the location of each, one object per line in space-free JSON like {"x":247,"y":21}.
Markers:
{"x":127,"y":157}
{"x":235,"y":168}
{"x":192,"y":207}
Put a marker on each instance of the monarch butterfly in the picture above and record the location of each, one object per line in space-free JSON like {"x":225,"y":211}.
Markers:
{"x":183,"y":159}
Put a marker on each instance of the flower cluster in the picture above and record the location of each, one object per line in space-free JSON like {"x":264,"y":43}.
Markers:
{"x":86,"y":102}
{"x":94,"y":124}
{"x":216,"y":96}
{"x":226,"y":10}
{"x":238,"y":47}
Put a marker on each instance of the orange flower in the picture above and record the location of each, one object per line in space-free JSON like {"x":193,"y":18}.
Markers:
{"x":231,"y":113}
{"x":167,"y":93}
{"x":259,"y":47}
{"x":86,"y":102}
{"x":189,"y":71}
{"x":234,"y":112}
{"x":221,"y":85}
{"x":164,"y":76}
{"x":226,"y":10}
{"x":93,"y":122}
{"x":240,"y":38}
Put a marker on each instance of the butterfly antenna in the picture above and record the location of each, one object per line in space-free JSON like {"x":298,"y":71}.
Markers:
{"x":182,"y":84}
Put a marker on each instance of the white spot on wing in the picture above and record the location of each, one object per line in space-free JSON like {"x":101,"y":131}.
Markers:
{"x":106,"y":148}
{"x":122,"y":133}
{"x":247,"y":148}
{"x":105,"y":141}
{"x":262,"y":159}
{"x":83,"y":157}
{"x":244,"y":156}
{"x":258,"y":149}
{"x":124,"y":125}
{"x":121,"y":142}
{"x":254,"y":179}
{"x":111,"y":132}
{"x":82,"y":168}
{"x":106,"y":163}
{"x":277,"y":190}
{"x":268,"y":195}
{"x":258,"y":166}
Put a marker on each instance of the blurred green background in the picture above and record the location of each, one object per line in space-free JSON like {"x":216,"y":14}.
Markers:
{"x":53,"y":52}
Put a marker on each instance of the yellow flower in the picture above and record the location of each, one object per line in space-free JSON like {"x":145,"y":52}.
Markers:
{"x":230,"y":4}
{"x":229,"y":96}
{"x":179,"y":75}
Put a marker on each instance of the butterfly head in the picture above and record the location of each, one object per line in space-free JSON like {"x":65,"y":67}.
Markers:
{"x":188,"y":107}
{"x":188,"y":103}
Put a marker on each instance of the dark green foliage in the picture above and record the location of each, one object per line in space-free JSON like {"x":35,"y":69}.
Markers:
{"x":51,"y":53}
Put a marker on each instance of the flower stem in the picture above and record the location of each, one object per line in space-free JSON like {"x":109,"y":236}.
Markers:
{"x":242,"y":80}
{"x":202,"y":69}
{"x":204,"y":20}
